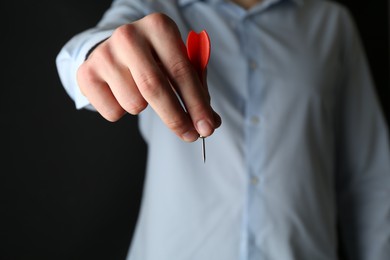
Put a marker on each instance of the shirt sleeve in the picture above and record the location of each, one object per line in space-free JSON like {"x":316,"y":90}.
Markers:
{"x":73,"y":53}
{"x":363,"y":176}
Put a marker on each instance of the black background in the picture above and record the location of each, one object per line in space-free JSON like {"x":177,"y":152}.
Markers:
{"x":70,"y":182}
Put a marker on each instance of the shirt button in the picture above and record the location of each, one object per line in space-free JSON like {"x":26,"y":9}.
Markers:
{"x":254,"y":180}
{"x":255,"y":120}
{"x":252,"y":64}
{"x":233,"y":24}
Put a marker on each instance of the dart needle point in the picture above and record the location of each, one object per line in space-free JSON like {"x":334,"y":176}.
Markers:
{"x":203,"y":148}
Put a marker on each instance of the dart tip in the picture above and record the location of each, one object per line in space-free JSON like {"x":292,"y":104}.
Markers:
{"x":203,"y":148}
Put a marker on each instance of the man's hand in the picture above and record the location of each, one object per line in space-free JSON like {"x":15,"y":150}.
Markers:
{"x":143,"y":63}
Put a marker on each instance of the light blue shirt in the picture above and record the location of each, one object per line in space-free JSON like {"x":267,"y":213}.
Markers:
{"x":300,"y":164}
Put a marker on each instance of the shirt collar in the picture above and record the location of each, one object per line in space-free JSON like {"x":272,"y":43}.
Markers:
{"x":185,"y":2}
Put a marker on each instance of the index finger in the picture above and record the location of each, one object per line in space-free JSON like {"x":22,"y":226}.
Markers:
{"x":136,"y":51}
{"x":184,"y":79}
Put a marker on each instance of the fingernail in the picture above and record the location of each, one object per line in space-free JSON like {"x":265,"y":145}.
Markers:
{"x":204,"y":128}
{"x":190,"y":136}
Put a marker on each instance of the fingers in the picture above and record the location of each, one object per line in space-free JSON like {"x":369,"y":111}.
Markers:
{"x":145,"y":63}
{"x":182,"y":77}
{"x":140,"y":56}
{"x":98,"y":92}
{"x":121,"y":84}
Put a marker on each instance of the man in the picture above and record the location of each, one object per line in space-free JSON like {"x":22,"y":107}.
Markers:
{"x":300,"y":164}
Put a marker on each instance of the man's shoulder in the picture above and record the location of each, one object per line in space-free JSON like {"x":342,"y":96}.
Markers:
{"x":325,"y":4}
{"x":330,"y":8}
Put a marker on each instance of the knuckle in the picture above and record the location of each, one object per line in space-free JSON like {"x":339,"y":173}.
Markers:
{"x":158,"y":19}
{"x":124,"y":37}
{"x":200,"y":108}
{"x":162,"y":23}
{"x":177,"y":125}
{"x":135,"y":107}
{"x":180,"y":70}
{"x":103,"y":58}
{"x":85,"y":71}
{"x":196,"y":106}
{"x":149,"y":84}
{"x":126,"y":32}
